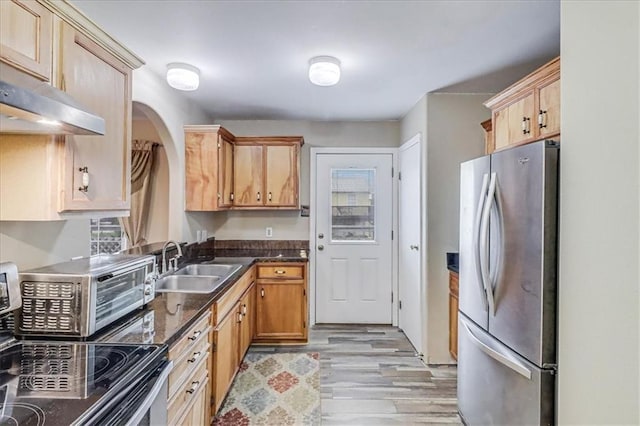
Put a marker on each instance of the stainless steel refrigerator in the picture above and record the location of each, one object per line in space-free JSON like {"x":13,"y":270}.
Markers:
{"x":508,"y":279}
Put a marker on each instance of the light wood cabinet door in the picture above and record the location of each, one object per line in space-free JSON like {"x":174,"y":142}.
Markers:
{"x":225,"y":356}
{"x":208,"y":168}
{"x":247,"y":325}
{"x":102,"y":84}
{"x":225,"y":166}
{"x":201,"y":171}
{"x":520,"y":120}
{"x":281,"y":310}
{"x":453,"y":314}
{"x":282,"y":175}
{"x":248,"y":176}
{"x":549,"y":113}
{"x":26,"y":37}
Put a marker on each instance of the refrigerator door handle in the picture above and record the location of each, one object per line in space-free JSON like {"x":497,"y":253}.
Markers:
{"x":476,"y":240}
{"x":484,"y":244}
{"x":503,"y":359}
{"x":499,"y":247}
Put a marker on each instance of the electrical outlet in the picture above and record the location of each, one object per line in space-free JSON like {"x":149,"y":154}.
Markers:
{"x":268,"y":232}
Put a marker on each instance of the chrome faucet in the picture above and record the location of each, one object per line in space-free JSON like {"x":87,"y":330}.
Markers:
{"x":173,"y":262}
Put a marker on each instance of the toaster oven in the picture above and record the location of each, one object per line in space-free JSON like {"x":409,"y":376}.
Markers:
{"x":80,"y":297}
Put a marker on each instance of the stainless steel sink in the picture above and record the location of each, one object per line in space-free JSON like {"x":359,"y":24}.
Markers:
{"x":201,"y":278}
{"x":213,"y":269}
{"x":188,"y":284}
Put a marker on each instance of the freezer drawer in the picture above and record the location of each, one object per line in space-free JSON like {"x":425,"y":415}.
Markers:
{"x":498,"y":387}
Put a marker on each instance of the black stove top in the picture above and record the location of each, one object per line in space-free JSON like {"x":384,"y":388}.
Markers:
{"x":61,"y":383}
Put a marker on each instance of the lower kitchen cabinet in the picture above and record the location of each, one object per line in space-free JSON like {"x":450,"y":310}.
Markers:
{"x":453,"y":314}
{"x":232,"y":320}
{"x":189,"y":379}
{"x":226,"y":355}
{"x":281,"y":303}
{"x":247,"y":320}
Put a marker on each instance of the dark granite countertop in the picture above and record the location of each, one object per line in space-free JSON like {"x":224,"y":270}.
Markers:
{"x":173,"y":313}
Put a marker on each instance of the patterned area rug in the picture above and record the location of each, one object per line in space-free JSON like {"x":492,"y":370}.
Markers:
{"x":274,"y":389}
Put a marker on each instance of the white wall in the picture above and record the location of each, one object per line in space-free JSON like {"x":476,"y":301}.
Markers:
{"x":450,"y":125}
{"x":599,"y":295}
{"x":34,"y":244}
{"x":169,"y":110}
{"x":454,"y":135}
{"x":289,"y":225}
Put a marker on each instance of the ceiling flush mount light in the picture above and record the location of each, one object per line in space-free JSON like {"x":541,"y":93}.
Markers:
{"x":183,"y":76}
{"x":324,"y":70}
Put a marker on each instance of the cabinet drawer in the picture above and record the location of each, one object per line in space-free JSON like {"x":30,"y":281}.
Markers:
{"x":226,"y":303}
{"x":281,"y":271}
{"x":199,"y":329}
{"x":182,"y":399}
{"x":191,"y":359}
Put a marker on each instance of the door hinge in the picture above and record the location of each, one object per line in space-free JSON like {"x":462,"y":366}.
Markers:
{"x":213,"y":348}
{"x":304,"y":292}
{"x":391,"y":235}
{"x":399,"y":304}
{"x":399,"y":175}
{"x":304,"y":324}
{"x":391,"y":297}
{"x":392,"y":172}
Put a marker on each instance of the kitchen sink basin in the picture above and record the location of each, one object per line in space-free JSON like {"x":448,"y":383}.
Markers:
{"x":216,"y":269}
{"x":188,"y":284}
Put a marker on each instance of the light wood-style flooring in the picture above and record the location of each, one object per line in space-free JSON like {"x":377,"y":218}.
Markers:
{"x":370,"y":375}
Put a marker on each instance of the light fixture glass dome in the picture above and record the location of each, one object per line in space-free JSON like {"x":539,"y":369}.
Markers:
{"x":183,"y":76}
{"x":324,"y":70}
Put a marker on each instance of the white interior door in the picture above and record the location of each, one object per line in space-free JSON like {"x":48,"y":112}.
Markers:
{"x":354,"y":204}
{"x":409,"y":230}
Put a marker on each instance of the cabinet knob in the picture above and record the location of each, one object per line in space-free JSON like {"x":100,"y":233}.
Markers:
{"x":541,"y":119}
{"x":195,"y":357}
{"x":280,"y":271}
{"x":194,"y":387}
{"x":85,"y":179}
{"x":195,"y":335}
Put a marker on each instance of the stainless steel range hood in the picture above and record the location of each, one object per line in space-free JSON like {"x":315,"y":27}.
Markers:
{"x":44,"y":110}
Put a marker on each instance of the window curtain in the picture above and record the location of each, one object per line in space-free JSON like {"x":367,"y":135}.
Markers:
{"x":135,"y":226}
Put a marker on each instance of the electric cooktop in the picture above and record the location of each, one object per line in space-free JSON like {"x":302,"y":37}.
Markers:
{"x":61,"y":383}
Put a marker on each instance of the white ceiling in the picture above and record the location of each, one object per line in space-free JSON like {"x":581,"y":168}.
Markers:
{"x":253,"y":55}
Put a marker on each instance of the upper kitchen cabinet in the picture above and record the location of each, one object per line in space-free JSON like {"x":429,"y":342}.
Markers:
{"x":267,"y":172}
{"x":26,"y":37}
{"x":209,"y":153}
{"x":102,"y":83}
{"x":528,"y":110}
{"x":47,"y":177}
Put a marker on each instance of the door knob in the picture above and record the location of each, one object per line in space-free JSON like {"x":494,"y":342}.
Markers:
{"x":321,"y":236}
{"x":412,"y":247}
{"x":320,"y":247}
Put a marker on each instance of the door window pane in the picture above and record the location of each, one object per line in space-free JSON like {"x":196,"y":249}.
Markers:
{"x":352,"y":204}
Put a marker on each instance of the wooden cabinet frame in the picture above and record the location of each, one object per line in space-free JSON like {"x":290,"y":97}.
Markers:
{"x":528,"y":110}
{"x":208,"y":168}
